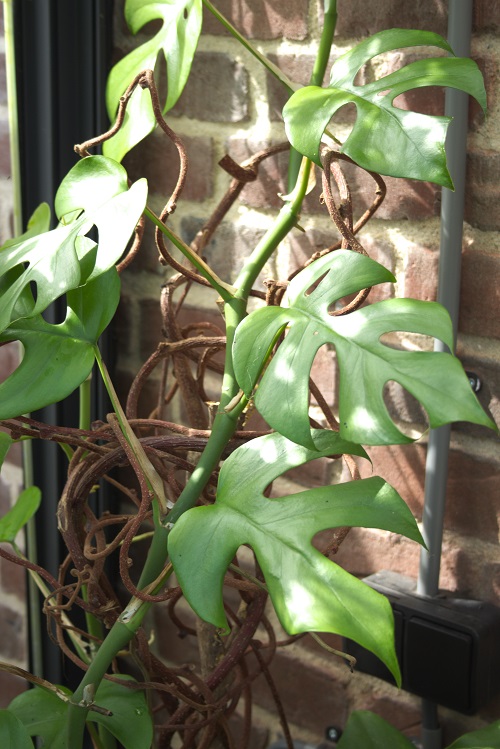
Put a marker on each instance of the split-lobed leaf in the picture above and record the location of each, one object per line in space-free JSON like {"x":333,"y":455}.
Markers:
{"x":13,"y":734}
{"x":94,"y":193}
{"x":308,"y":591}
{"x":58,"y":358}
{"x":366,"y":364}
{"x":44,"y":714}
{"x":177,"y":39}
{"x":385,"y":138}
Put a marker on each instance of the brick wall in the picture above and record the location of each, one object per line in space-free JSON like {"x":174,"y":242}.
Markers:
{"x":232,"y":105}
{"x":12,"y":580}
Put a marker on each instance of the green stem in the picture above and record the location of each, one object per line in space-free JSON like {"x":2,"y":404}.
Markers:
{"x":317,"y":75}
{"x":325,"y":44}
{"x":273,"y":69}
{"x":226,"y":292}
{"x":154,"y":481}
{"x":85,"y":398}
{"x":287,"y":219}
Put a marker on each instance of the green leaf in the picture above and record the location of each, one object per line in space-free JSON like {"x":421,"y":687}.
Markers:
{"x":309,"y":592}
{"x":16,"y":518}
{"x":370,"y":731}
{"x":44,"y":714}
{"x":5,"y":443}
{"x":58,"y":358}
{"x":177,"y":39}
{"x":385,"y":139}
{"x":13,"y":734}
{"x":62,"y":259}
{"x":484,"y":738}
{"x":366,"y":364}
{"x":131,"y":721}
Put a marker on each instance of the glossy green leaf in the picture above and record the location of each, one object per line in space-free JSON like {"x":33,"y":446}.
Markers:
{"x":177,"y":39}
{"x":131,"y":721}
{"x":436,"y":379}
{"x":484,"y":738}
{"x":62,"y":259}
{"x":370,"y":731}
{"x":58,"y":358}
{"x":309,"y":592}
{"x":16,"y":518}
{"x":13,"y":734}
{"x":385,"y":138}
{"x":45,"y":715}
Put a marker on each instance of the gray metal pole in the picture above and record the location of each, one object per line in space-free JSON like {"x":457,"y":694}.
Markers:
{"x":452,"y":213}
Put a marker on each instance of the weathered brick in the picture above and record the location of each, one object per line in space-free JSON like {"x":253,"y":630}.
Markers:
{"x":471,"y":482}
{"x":421,"y":273}
{"x":482,"y":201}
{"x":358,"y":19}
{"x":216,"y":91}
{"x":10,"y":687}
{"x":486,"y":16}
{"x":484,"y":364}
{"x":261,"y":19}
{"x":13,"y":634}
{"x":13,"y":578}
{"x":480,"y":293}
{"x":323,"y":698}
{"x":228,"y":248}
{"x":406,"y":199}
{"x":156,"y":159}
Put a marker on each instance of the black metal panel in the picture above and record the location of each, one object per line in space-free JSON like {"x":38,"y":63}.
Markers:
{"x":62,"y":59}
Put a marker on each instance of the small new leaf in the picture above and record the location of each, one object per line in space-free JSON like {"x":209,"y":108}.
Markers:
{"x":177,"y":39}
{"x":366,"y":364}
{"x":308,"y":591}
{"x":385,"y":138}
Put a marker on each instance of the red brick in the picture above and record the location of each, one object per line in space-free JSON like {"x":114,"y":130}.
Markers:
{"x":10,"y":687}
{"x":358,"y":19}
{"x":485,"y":367}
{"x":480,"y":293}
{"x":156,"y":159}
{"x":406,"y":199}
{"x":13,"y":578}
{"x":261,"y":19}
{"x":421,"y":273}
{"x":293,"y":682}
{"x":472,"y":482}
{"x":231,"y":244}
{"x":13,"y":636}
{"x":216,"y":91}
{"x":486,"y":16}
{"x":482,"y":201}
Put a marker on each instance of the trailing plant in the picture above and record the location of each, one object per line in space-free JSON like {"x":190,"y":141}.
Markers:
{"x":203,"y":489}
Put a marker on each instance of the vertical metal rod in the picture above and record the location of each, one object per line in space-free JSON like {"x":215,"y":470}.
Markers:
{"x":452,"y":214}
